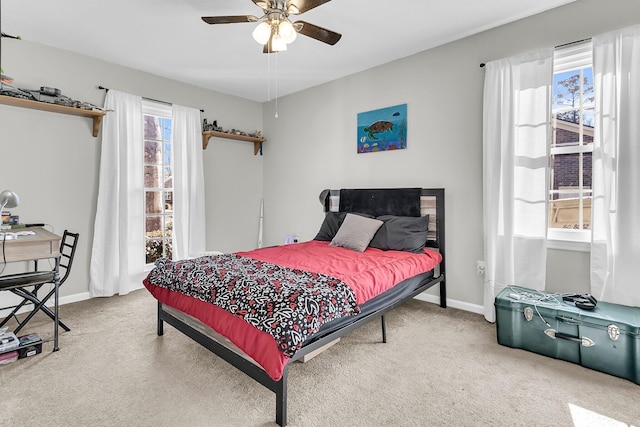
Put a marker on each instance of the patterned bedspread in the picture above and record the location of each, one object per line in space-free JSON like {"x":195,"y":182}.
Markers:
{"x":289,"y":304}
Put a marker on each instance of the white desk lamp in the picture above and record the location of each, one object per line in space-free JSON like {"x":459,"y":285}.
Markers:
{"x":8,"y":199}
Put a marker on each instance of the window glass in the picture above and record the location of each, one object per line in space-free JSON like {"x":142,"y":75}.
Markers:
{"x":151,"y":152}
{"x":572,"y":139}
{"x":158,"y":182}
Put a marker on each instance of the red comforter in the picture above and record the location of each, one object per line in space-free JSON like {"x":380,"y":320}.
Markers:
{"x":368,"y":274}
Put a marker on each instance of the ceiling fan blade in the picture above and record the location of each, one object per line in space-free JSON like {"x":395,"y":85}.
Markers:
{"x":229,"y":19}
{"x":296,"y":7}
{"x":318,"y":33}
{"x":263,"y":4}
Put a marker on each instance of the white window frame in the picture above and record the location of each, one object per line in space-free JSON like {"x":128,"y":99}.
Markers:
{"x":150,"y":108}
{"x":576,"y":56}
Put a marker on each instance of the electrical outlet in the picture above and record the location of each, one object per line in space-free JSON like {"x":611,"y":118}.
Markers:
{"x":480,"y":268}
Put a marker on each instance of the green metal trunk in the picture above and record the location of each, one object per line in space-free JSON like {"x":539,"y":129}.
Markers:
{"x":606,"y":338}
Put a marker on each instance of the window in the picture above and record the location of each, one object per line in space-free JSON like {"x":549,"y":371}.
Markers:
{"x":158,"y":181}
{"x":571,"y":144}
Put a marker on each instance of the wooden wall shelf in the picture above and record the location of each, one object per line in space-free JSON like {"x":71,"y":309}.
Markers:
{"x":55,"y":108}
{"x":208,"y":134}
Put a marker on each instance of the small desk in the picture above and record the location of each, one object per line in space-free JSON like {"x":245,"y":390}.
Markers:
{"x":41,"y":245}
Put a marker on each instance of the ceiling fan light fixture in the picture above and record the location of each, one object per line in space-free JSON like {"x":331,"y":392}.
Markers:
{"x":278,"y":44}
{"x":286,"y":31}
{"x":262,"y":32}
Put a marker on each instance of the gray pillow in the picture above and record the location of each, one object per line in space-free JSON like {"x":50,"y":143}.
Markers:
{"x":331,"y":223}
{"x":401,"y":233}
{"x":356,"y":232}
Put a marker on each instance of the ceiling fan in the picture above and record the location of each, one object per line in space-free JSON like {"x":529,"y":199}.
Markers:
{"x":275,"y":30}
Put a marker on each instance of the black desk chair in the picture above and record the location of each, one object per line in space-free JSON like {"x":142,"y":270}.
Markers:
{"x":18,"y":283}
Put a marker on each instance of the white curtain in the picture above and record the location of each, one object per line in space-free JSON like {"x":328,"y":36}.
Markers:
{"x":188,"y":184}
{"x":615,"y":246}
{"x":117,"y":256}
{"x":516,"y":132}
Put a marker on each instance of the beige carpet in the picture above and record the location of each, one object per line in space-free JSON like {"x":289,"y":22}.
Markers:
{"x":439,"y":368}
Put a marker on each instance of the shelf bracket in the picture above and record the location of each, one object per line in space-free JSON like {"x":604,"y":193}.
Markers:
{"x":96,"y":125}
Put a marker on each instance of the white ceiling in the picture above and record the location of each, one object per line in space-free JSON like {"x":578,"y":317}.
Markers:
{"x":168,"y":38}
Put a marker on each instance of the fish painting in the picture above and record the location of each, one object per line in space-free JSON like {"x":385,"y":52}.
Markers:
{"x":378,"y":127}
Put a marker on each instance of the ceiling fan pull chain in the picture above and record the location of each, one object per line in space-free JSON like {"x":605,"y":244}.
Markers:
{"x":268,"y":77}
{"x":277,"y":54}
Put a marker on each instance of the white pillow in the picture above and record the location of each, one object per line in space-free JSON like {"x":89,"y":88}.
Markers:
{"x":356,"y":232}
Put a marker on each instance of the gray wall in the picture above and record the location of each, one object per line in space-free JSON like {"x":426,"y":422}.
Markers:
{"x":51,"y":160}
{"x":313,"y":142}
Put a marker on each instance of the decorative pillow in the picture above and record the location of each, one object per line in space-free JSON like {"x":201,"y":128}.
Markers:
{"x":356,"y":232}
{"x":331,"y":224}
{"x":401,"y":233}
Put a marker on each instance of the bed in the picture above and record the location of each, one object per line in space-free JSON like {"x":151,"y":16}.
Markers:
{"x":262,"y":310}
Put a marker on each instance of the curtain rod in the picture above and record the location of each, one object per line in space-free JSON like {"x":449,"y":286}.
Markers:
{"x":106,"y":89}
{"x":482,"y":64}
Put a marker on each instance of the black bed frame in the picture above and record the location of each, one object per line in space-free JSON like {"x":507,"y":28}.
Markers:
{"x":280,"y":387}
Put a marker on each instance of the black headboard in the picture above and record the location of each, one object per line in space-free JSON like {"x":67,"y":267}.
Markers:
{"x":393,"y":201}
{"x":381,"y":201}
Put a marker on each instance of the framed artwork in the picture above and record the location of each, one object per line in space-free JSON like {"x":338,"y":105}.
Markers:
{"x":382,"y":130}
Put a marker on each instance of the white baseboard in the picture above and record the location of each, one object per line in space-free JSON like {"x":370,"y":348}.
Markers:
{"x":63,"y":300}
{"x":461,"y":305}
{"x":74,"y":298}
